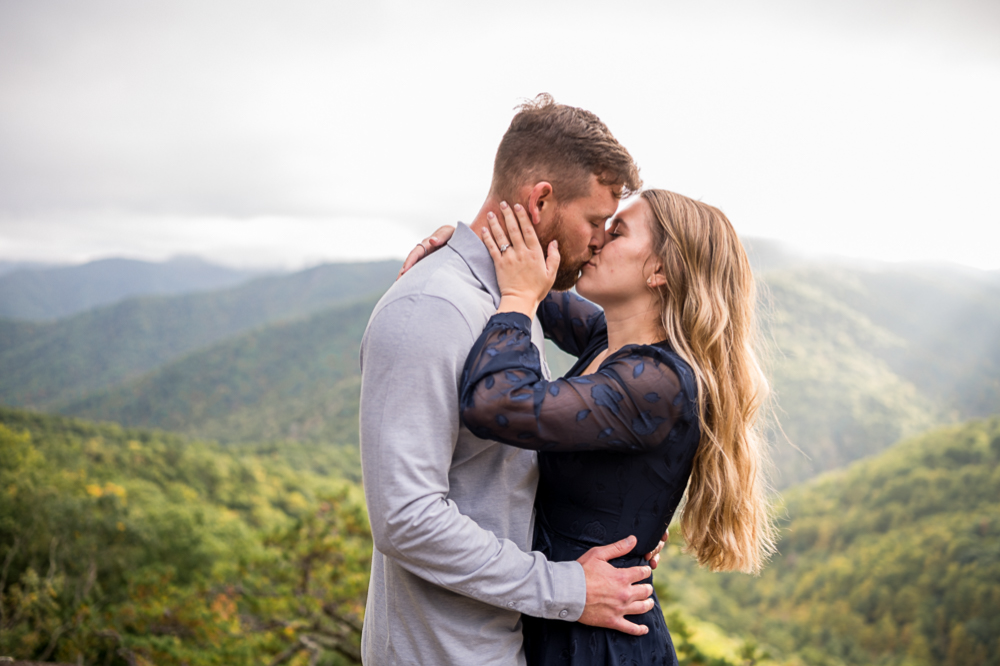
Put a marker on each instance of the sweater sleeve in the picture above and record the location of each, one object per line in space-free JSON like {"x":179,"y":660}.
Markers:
{"x":409,"y":429}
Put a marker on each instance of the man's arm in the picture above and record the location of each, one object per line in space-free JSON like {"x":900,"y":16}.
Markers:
{"x":409,"y":427}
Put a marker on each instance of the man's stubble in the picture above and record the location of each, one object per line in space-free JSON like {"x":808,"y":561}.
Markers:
{"x":569,"y":267}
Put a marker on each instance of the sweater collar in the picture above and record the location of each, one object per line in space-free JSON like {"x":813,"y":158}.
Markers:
{"x":473,"y":251}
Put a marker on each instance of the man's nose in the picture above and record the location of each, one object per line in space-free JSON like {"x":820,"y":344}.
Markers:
{"x":598,"y":239}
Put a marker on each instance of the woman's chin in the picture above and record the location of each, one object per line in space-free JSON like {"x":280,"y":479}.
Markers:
{"x":585,"y":287}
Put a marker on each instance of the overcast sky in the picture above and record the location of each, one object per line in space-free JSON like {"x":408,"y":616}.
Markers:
{"x":287,"y":133}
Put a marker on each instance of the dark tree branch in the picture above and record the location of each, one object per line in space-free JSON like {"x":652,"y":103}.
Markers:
{"x":287,"y":654}
{"x":3,"y":578}
{"x":331,"y":611}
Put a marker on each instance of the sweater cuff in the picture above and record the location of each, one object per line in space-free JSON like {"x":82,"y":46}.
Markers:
{"x":514,"y":320}
{"x":571,"y":591}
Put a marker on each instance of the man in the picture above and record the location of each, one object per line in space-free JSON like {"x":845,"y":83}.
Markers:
{"x":452,"y":515}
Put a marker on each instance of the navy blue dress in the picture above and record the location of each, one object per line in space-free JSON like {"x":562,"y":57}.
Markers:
{"x":615,"y":453}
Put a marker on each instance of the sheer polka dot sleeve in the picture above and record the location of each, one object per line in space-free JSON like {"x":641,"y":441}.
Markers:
{"x":630,"y":404}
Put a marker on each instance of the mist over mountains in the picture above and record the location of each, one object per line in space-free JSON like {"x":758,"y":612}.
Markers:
{"x":41,"y":293}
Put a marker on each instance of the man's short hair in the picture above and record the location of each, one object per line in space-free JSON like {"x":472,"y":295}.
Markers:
{"x":563,"y":145}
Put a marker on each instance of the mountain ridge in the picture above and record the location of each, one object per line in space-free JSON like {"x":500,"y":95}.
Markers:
{"x":893,"y":560}
{"x":50,"y":293}
{"x":60,"y":362}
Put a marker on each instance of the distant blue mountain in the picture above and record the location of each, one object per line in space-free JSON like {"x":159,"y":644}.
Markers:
{"x":7,"y":266}
{"x":44,"y":364}
{"x":37,"y":293}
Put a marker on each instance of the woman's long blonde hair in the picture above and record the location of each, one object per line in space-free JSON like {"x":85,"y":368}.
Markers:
{"x":708,"y":314}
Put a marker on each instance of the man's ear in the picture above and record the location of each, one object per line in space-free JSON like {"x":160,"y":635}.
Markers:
{"x":539,"y":197}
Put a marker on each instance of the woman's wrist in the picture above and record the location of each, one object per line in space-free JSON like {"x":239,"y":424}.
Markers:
{"x":518,"y":303}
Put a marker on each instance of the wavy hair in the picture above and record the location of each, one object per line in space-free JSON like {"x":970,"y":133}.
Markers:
{"x":709,"y":317}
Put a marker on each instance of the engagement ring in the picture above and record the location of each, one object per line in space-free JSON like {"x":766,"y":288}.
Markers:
{"x":504,"y":247}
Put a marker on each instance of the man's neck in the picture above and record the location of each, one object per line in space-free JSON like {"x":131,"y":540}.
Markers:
{"x":479,"y":223}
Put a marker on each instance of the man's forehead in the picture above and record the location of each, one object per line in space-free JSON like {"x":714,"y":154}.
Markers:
{"x":611,"y":199}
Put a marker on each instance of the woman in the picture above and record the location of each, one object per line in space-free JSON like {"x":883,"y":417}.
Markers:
{"x":663,"y":398}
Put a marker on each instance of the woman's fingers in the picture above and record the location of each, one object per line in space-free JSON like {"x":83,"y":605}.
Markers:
{"x":491,"y":245}
{"x":412,"y":258}
{"x":513,"y":228}
{"x":526,"y":228}
{"x":498,"y":233}
{"x":552,"y":261}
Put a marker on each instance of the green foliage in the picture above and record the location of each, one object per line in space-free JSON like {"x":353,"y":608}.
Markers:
{"x":132,"y":546}
{"x":62,"y":361}
{"x":893,"y":561}
{"x":847,"y":383}
{"x":137,"y":547}
{"x":950,"y":321}
{"x":837,"y":399}
{"x":860,"y":359}
{"x":295,"y":381}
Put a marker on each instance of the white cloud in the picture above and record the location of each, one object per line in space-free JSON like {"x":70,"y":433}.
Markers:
{"x":264,"y":241}
{"x":854,"y":127}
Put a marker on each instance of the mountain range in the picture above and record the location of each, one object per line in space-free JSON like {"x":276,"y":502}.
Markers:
{"x":48,"y":365}
{"x":859,"y":357}
{"x":44,"y":293}
{"x":894,"y":560}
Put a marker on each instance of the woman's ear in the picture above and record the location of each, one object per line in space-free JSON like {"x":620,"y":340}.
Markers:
{"x":656,"y":279}
{"x":539,"y":197}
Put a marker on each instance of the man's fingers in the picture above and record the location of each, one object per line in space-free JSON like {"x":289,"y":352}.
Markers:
{"x":613,"y":550}
{"x":653,"y":556}
{"x":654,"y":561}
{"x":635,"y":574}
{"x":639,"y":607}
{"x":640,"y":592}
{"x":630,"y":628}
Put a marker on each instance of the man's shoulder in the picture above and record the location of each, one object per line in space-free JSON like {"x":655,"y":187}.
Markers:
{"x":441,"y":282}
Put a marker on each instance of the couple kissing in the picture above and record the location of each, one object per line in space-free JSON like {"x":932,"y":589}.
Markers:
{"x":517,"y":516}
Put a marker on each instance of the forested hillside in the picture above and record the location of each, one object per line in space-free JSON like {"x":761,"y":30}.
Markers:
{"x":130,"y":547}
{"x":862,"y":358}
{"x":835,"y":398}
{"x":54,"y":292}
{"x":133,"y":547}
{"x":138,"y":546}
{"x":297,"y":380}
{"x":894,"y":561}
{"x":950,"y":321}
{"x":59,"y":363}
{"x":845,"y":386}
